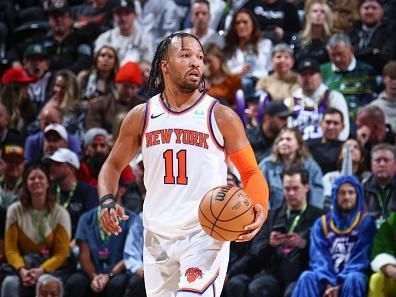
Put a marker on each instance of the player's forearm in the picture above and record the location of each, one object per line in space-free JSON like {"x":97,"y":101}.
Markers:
{"x":108,"y":179}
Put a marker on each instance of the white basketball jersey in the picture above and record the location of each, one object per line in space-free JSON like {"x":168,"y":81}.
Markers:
{"x":183,"y":159}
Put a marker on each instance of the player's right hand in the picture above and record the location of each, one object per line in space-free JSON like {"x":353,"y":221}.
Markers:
{"x":108,"y":219}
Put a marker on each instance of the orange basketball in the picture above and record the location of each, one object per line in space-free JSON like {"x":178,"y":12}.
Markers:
{"x":224,"y":212}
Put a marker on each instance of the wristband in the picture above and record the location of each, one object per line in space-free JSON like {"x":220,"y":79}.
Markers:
{"x":110,"y":205}
{"x":105,"y":198}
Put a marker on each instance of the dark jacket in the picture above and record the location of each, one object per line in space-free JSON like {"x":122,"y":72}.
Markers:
{"x":286,"y":267}
{"x":372,"y":192}
{"x":365,"y":43}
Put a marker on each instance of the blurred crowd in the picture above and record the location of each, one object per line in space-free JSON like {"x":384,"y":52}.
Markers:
{"x":314,"y":83}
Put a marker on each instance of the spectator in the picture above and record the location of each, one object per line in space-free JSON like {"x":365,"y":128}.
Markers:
{"x":7,"y":134}
{"x":133,"y":258}
{"x":370,"y":35}
{"x":37,"y":234}
{"x":283,"y":82}
{"x":36,"y":62}
{"x":325,"y":150}
{"x":357,"y":158}
{"x":262,"y":137}
{"x":55,"y":137}
{"x":380,"y":188}
{"x":158,"y":20}
{"x":371,"y":130}
{"x":66,"y":97}
{"x":11,"y":179}
{"x":386,"y":100}
{"x":34,"y":145}
{"x":131,"y":41}
{"x":96,"y":150}
{"x":278,"y":19}
{"x":49,"y":286}
{"x":101,"y":112}
{"x":75,"y":196}
{"x":383,"y":255}
{"x":248,"y":54}
{"x":99,"y":81}
{"x":290,"y":150}
{"x":135,"y":191}
{"x":312,"y":99}
{"x":64,"y":45}
{"x":340,"y":246}
{"x":200,"y":19}
{"x":14,"y":96}
{"x":317,"y":30}
{"x":285,"y":237}
{"x":219,"y":82}
{"x":101,"y":258}
{"x":353,"y":78}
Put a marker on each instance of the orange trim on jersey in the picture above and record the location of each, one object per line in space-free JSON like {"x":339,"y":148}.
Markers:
{"x":167,"y":109}
{"x":210,"y":126}
{"x":349,"y":229}
{"x":205,"y":286}
{"x":145,"y":119}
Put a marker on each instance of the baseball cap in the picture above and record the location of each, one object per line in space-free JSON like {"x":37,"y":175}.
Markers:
{"x":308,"y":63}
{"x":129,"y":73}
{"x":16,"y":75}
{"x":277,"y":108}
{"x":58,"y":7}
{"x":124,"y":4}
{"x":64,"y":155}
{"x":35,"y":49}
{"x":13,"y":150}
{"x":61,"y":130}
{"x":92,"y":133}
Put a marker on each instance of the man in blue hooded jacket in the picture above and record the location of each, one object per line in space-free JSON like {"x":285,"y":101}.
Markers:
{"x":340,"y":246}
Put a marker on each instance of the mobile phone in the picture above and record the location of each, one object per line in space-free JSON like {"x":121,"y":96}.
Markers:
{"x":280,"y":229}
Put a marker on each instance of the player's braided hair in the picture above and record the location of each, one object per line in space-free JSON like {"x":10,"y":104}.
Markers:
{"x":155,"y":82}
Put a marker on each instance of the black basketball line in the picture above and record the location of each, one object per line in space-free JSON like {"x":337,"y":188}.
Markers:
{"x":217,"y":218}
{"x":203,"y":214}
{"x":218,"y":235}
{"x":233,"y":218}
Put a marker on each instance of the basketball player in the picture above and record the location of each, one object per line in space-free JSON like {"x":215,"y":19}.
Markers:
{"x":185,"y":137}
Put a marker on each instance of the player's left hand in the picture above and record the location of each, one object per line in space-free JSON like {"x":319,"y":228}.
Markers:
{"x":254,"y":228}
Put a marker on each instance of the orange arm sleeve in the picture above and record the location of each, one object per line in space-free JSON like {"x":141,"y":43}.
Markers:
{"x":253,"y":180}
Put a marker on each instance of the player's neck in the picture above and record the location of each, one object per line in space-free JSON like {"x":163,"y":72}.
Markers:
{"x":176,"y":100}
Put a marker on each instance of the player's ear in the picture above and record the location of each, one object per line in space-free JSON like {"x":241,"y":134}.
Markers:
{"x":164,"y":66}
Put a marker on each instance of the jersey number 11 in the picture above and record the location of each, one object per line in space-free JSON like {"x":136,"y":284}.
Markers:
{"x":169,"y":177}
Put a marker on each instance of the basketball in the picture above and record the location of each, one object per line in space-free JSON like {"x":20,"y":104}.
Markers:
{"x":224,"y":212}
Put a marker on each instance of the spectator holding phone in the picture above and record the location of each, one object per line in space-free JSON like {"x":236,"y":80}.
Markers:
{"x":285,"y":237}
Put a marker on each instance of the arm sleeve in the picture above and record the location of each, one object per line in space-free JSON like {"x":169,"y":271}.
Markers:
{"x":13,"y":256}
{"x":253,"y":180}
{"x":133,"y":250}
{"x":319,"y":255}
{"x":360,"y":255}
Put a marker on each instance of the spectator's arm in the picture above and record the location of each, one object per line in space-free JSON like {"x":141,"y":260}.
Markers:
{"x":320,"y":259}
{"x":119,"y":267}
{"x":13,"y":255}
{"x":62,"y":235}
{"x":315,"y":183}
{"x":360,"y":254}
{"x":384,"y":247}
{"x":85,"y":259}
{"x":292,"y":22}
{"x":133,"y":249}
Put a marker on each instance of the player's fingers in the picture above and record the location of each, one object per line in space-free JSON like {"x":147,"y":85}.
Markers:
{"x":113,"y":222}
{"x":108,"y":222}
{"x":121,"y":213}
{"x":103,"y":220}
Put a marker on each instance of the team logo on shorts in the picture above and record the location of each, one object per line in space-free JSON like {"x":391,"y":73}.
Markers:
{"x":193,"y":273}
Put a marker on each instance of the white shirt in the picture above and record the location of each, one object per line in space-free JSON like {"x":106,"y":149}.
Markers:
{"x":335,"y":100}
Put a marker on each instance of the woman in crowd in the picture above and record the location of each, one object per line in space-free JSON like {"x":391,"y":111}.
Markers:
{"x":289,"y":150}
{"x":100,"y":79}
{"x":283,"y":82}
{"x":248,"y":54}
{"x":37,"y":235}
{"x":317,"y":29}
{"x":357,"y":158}
{"x":66,"y":98}
{"x":218,"y":80}
{"x":15,"y":97}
